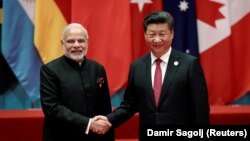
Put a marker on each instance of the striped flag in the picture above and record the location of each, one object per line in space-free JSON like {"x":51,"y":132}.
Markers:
{"x":18,"y":46}
{"x":31,"y":37}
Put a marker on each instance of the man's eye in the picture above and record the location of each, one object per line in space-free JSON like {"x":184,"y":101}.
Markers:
{"x":151,"y":35}
{"x":81,"y":41}
{"x":162,"y":35}
{"x":70,"y":41}
{"x":73,"y":41}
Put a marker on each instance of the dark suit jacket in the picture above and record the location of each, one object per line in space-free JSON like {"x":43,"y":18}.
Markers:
{"x":70,"y":95}
{"x":183,"y":99}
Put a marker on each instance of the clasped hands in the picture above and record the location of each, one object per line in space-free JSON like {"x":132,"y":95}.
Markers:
{"x":100,"y":125}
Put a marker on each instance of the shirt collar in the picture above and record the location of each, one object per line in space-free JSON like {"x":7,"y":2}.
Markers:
{"x":164,"y":57}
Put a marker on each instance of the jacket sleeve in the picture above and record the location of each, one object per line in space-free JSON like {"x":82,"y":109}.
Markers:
{"x":127,"y":107}
{"x":199,"y":93}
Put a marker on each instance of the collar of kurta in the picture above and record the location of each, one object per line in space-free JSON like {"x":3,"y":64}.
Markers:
{"x":74,"y":63}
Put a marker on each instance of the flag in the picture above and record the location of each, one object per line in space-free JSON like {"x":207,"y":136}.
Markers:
{"x":32,"y":31}
{"x":18,"y":46}
{"x":31,"y":37}
{"x":115,"y":34}
{"x":185,"y":29}
{"x":49,"y":24}
{"x":12,"y":94}
{"x":224,"y":33}
{"x":221,"y":43}
{"x":140,"y":9}
{"x":6,"y":82}
{"x":109,"y":26}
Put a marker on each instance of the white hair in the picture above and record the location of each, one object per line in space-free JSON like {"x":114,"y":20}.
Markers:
{"x":74,"y":25}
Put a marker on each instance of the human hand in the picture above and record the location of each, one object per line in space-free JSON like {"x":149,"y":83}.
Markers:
{"x":100,"y":125}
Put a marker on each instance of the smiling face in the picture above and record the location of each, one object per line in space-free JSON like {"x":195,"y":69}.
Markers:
{"x":159,"y":38}
{"x":75,"y":43}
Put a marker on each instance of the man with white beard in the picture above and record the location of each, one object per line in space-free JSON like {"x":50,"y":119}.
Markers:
{"x":73,"y":90}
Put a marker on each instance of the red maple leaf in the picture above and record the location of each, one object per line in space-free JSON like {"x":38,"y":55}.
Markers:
{"x":208,"y":11}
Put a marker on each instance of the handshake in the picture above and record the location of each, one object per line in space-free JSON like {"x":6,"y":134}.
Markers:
{"x":100,"y":125}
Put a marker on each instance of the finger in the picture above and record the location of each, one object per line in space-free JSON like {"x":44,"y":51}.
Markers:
{"x":107,"y":124}
{"x":95,"y":118}
{"x":100,"y":117}
{"x":101,"y":132}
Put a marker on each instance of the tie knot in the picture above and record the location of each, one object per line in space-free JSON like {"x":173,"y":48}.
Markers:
{"x":158,"y":61}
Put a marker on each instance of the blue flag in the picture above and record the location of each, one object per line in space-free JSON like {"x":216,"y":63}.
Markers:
{"x":18,"y":46}
{"x":185,"y":29}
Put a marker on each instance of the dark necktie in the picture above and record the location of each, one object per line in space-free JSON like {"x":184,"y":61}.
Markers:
{"x":157,"y":80}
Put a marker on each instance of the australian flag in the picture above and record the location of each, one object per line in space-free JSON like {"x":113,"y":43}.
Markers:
{"x":185,"y":29}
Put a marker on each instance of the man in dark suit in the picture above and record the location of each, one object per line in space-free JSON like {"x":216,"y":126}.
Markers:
{"x":73,"y":90}
{"x":166,"y":87}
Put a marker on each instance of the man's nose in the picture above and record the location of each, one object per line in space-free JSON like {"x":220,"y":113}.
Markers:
{"x":156,"y":39}
{"x":76,"y":43}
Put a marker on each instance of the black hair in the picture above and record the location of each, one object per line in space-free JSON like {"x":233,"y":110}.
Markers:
{"x":158,"y":17}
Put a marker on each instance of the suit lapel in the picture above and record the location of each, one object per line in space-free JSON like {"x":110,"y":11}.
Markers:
{"x":173,"y":64}
{"x":147,"y":80}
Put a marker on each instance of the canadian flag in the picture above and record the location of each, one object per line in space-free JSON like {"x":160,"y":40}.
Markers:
{"x":224,"y":45}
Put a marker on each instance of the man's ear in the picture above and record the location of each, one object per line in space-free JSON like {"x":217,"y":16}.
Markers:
{"x":172,"y":34}
{"x":145,"y":36}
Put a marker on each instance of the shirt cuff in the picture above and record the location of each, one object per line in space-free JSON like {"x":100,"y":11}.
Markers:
{"x":87,"y":129}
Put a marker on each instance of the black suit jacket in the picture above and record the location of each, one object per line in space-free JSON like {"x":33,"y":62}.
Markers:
{"x":183,"y":99}
{"x":70,"y":95}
